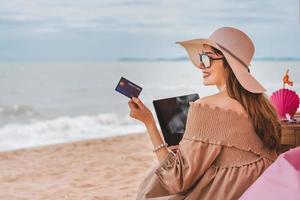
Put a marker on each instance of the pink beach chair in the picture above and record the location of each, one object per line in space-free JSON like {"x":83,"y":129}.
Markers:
{"x":281,"y":180}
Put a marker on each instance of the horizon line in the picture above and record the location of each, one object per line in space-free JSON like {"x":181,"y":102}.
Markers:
{"x":186,"y":58}
{"x":143,"y":59}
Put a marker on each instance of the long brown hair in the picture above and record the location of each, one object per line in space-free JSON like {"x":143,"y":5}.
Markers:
{"x":263,"y":114}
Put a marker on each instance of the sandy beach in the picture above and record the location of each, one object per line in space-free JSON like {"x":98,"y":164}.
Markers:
{"x":106,"y":169}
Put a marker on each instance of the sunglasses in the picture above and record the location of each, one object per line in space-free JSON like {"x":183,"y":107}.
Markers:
{"x":205,"y":60}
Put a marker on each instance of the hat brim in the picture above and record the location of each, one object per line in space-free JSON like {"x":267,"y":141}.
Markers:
{"x":195,"y":46}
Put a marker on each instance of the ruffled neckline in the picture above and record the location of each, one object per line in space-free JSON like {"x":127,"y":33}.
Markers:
{"x":220,"y":109}
{"x":217,"y":125}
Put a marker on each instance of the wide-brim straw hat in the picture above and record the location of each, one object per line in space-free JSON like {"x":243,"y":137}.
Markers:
{"x":237,"y":48}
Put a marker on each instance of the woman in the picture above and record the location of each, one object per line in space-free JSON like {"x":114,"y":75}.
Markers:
{"x":231,"y":137}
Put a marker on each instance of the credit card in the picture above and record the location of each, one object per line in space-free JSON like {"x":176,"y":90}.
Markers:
{"x":128,"y":88}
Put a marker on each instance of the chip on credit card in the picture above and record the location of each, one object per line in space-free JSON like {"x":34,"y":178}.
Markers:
{"x":128,"y":88}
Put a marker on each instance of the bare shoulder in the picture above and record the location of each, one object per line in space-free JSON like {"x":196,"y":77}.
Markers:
{"x":210,"y":100}
{"x":205,"y":100}
{"x":222,"y":102}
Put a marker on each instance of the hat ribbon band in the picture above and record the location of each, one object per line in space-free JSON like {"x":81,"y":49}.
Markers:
{"x":245,"y":65}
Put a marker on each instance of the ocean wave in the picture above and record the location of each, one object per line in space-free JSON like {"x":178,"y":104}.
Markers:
{"x":65,"y":129}
{"x":16,"y":110}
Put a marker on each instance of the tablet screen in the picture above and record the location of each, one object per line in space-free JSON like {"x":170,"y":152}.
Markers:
{"x":172,"y":115}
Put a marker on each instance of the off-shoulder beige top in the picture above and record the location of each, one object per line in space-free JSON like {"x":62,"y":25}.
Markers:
{"x":219,"y":157}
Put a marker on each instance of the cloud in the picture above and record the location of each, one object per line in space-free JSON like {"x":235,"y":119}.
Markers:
{"x":47,"y":21}
{"x":119,"y":15}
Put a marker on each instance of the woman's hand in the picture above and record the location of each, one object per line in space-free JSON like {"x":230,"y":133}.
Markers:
{"x":139,"y":111}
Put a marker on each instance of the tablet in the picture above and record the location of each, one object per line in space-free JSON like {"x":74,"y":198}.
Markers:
{"x":172,"y":115}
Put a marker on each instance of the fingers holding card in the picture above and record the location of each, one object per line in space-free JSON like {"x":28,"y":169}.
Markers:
{"x":132,"y":105}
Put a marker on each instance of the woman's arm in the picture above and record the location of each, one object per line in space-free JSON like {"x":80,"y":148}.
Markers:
{"x":156,"y":139}
{"x":139,"y":111}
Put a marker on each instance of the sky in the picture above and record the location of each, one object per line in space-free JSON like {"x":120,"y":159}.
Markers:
{"x":104,"y":30}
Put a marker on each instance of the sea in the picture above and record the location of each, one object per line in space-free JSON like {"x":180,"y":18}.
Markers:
{"x":43,"y":103}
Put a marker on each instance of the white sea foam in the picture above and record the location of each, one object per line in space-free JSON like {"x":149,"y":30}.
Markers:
{"x":65,"y":129}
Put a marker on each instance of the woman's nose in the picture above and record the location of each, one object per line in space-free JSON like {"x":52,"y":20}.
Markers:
{"x":205,"y":70}
{"x":201,"y":66}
